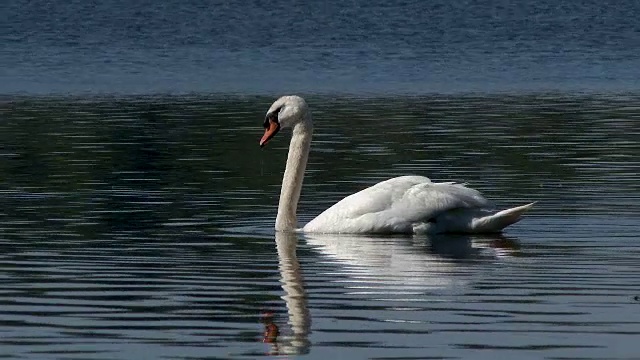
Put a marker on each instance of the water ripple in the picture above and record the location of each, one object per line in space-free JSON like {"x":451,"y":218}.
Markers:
{"x":143,"y":227}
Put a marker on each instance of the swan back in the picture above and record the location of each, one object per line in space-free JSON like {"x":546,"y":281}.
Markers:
{"x":396,"y":205}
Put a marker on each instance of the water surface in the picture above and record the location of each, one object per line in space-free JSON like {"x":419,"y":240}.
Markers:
{"x":361,"y":46}
{"x":141,"y":227}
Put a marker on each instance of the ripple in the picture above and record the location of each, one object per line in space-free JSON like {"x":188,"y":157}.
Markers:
{"x":159,"y":239}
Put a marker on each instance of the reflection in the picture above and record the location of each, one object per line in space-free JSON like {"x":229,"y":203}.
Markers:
{"x":271,"y":330}
{"x":472,"y":247}
{"x":389,"y":263}
{"x":299,"y":318}
{"x":410,"y":264}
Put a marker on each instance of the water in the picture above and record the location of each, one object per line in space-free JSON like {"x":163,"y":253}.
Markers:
{"x":136,"y":208}
{"x":142,"y":228}
{"x":360,"y":46}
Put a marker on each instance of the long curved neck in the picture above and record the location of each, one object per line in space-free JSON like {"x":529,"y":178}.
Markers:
{"x":294,"y":174}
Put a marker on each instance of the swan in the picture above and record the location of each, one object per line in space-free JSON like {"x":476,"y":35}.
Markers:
{"x":406,"y":204}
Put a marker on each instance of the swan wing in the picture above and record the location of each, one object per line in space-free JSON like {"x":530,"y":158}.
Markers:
{"x":396,"y":205}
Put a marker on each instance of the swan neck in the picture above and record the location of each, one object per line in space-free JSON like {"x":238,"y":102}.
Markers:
{"x":294,"y":175}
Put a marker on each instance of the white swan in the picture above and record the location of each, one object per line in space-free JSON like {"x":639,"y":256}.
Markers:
{"x":405,"y":204}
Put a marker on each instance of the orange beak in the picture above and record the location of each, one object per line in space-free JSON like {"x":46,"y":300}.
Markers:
{"x":270,"y":130}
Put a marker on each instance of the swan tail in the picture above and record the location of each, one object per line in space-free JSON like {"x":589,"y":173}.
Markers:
{"x":500,"y":220}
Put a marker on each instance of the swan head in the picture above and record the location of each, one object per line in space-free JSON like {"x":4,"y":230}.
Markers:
{"x":286,"y":112}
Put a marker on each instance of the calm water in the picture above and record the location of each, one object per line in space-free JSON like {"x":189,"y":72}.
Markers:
{"x":357,"y":46}
{"x":136,"y":208}
{"x":142,"y":228}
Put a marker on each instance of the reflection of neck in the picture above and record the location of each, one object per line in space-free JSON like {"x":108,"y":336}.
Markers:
{"x":294,"y":174}
{"x":295,"y":296}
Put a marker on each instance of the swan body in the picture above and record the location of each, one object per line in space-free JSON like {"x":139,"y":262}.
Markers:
{"x":405,"y":204}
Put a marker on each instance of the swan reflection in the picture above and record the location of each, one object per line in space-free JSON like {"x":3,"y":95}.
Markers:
{"x":296,"y":340}
{"x":374,"y":265}
{"x":403,"y":265}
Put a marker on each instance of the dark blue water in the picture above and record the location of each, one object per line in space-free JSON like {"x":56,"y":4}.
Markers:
{"x":358,"y":46}
{"x":141,"y":227}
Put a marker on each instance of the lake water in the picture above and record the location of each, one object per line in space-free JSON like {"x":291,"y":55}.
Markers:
{"x":137,"y":209}
{"x":142,"y":228}
{"x":282,"y":46}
